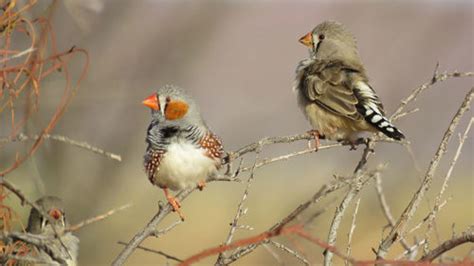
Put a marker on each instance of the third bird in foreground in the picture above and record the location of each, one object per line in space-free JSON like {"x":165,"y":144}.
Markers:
{"x":182,"y":152}
{"x":333,"y":88}
{"x":39,"y":225}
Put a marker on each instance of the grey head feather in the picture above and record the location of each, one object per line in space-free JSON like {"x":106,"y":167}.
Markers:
{"x":162,"y":131}
{"x":193,"y":116}
{"x":338,"y":43}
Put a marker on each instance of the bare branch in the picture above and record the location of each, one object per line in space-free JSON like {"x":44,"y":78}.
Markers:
{"x":159,"y":233}
{"x":318,"y":196}
{"x":436,"y":78}
{"x":240,"y":209}
{"x":411,"y":252}
{"x":351,"y":231}
{"x":154,"y":251}
{"x":399,"y":228}
{"x":448,"y":245}
{"x":272,"y":252}
{"x":81,"y":144}
{"x":354,"y":189}
{"x":290,"y":251}
{"x":437,"y":204}
{"x":96,"y":218}
{"x":150,"y":228}
{"x":386,"y":208}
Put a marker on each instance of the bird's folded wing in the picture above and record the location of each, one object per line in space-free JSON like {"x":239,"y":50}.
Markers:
{"x":329,"y":87}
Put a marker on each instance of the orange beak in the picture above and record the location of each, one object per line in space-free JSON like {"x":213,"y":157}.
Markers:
{"x":152,"y":102}
{"x":55,"y":213}
{"x":307,"y":40}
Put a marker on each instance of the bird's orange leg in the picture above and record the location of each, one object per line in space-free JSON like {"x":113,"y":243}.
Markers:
{"x":317,"y":136}
{"x":201,"y":185}
{"x":174,"y":203}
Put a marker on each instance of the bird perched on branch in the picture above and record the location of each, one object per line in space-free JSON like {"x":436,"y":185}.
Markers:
{"x":333,"y":89}
{"x":40,"y":225}
{"x":182,"y":152}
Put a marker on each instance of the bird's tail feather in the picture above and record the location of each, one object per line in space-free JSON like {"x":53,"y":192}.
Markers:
{"x":381,"y":123}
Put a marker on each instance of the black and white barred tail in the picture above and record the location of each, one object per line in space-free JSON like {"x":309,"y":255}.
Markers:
{"x":381,"y":123}
{"x":372,"y":110}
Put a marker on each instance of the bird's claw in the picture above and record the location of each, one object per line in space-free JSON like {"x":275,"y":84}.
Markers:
{"x":174,"y":202}
{"x":201,"y":185}
{"x":317,"y":136}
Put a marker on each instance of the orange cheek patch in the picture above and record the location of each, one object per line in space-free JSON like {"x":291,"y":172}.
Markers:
{"x":176,"y":110}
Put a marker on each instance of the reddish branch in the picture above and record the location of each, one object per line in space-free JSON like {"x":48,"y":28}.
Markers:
{"x":291,"y":230}
{"x":24,"y":78}
{"x":240,"y":243}
{"x":448,"y":245}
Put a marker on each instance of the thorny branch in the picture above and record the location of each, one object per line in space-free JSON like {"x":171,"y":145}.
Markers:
{"x":398,"y":230}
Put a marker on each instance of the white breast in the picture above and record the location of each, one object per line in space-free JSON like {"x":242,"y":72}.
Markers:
{"x":183,"y":166}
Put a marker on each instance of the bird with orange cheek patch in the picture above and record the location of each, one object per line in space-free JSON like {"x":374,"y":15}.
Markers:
{"x":40,"y":225}
{"x":182,"y":152}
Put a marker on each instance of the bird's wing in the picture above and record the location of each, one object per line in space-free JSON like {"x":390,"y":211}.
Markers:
{"x":329,"y":85}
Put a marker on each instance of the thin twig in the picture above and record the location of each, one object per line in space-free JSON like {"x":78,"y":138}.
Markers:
{"x":427,"y":217}
{"x":17,"y":55}
{"x":437,"y":204}
{"x":436,"y":78}
{"x":154,"y":251}
{"x":354,"y":190}
{"x":272,"y":252}
{"x":351,"y":231}
{"x":410,"y":254}
{"x":240,"y":209}
{"x":96,"y":218}
{"x":159,"y":233}
{"x":386,"y":208}
{"x":150,"y":228}
{"x":290,"y":251}
{"x":399,"y":229}
{"x":318,"y":196}
{"x":81,"y":144}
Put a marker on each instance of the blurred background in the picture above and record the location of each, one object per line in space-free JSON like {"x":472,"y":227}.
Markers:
{"x":237,"y":58}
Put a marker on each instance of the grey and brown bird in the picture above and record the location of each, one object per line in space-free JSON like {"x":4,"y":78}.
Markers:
{"x":182,"y":152}
{"x":40,"y":225}
{"x":333,"y":89}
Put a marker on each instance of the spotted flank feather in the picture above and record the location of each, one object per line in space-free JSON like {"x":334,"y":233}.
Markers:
{"x":213,"y":145}
{"x":152,"y":163}
{"x":371,"y":109}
